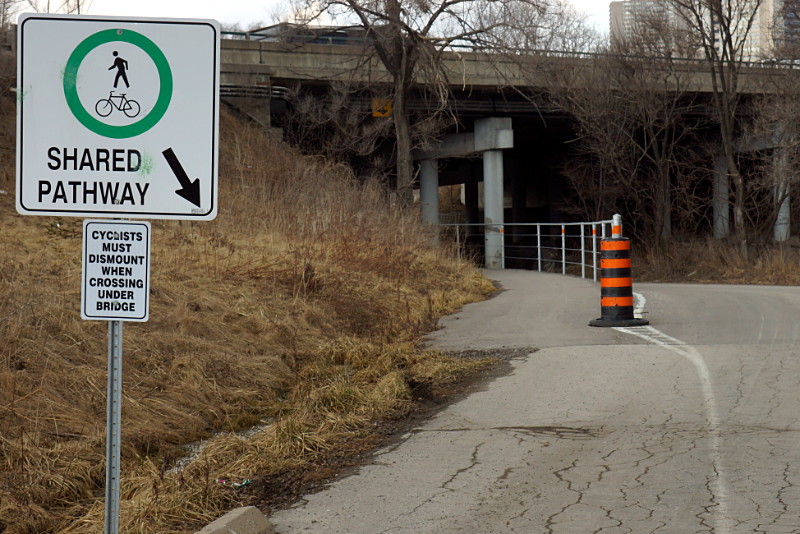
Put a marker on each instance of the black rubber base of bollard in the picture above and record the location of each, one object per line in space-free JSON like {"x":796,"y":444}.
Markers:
{"x":619,"y":322}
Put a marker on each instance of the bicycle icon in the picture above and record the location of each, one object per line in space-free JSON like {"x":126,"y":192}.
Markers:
{"x":105,"y":106}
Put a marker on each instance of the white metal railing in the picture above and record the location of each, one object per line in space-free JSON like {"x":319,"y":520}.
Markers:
{"x":569,"y":247}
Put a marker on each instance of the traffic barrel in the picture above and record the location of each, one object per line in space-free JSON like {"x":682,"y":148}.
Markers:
{"x":616,"y":284}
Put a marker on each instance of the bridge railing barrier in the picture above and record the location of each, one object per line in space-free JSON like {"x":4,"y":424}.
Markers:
{"x":462,"y":47}
{"x":569,"y":248}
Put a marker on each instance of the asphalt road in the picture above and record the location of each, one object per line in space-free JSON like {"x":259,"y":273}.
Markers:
{"x":688,"y":425}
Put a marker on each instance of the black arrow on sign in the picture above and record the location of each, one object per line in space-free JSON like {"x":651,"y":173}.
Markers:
{"x":189,"y":190}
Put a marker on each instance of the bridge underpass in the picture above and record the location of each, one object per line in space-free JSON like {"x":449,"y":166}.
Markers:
{"x":522,"y":180}
{"x":509,"y":172}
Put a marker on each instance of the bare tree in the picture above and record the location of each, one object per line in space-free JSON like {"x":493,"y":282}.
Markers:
{"x":8,"y":8}
{"x":723,"y":32}
{"x":773,"y":138}
{"x":338,"y":124}
{"x":554,"y":28}
{"x":632,"y":109}
{"x":409,"y":37}
{"x":57,"y":6}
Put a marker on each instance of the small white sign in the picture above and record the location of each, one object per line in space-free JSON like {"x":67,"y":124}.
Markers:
{"x":117,"y":117}
{"x":116,"y":271}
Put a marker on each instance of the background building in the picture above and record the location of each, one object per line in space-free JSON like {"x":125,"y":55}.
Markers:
{"x":759,"y":41}
{"x":786,"y":26}
{"x":655,"y":22}
{"x":616,"y":22}
{"x":656,"y":19}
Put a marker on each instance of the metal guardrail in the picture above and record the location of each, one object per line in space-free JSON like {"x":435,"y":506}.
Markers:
{"x":771,"y":63}
{"x":571,"y":248}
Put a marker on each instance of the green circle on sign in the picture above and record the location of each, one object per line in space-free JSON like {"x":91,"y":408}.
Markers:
{"x":71,"y":79}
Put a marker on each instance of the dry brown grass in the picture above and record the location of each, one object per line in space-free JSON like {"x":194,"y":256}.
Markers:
{"x":301,"y":304}
{"x":712,"y":261}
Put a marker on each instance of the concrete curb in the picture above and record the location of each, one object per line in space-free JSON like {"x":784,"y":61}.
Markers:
{"x":245,"y":520}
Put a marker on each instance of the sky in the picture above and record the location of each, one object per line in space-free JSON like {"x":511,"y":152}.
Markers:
{"x":597,"y":11}
{"x":247,"y":13}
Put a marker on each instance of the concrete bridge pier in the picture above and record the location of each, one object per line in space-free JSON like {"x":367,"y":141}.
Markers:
{"x":721,"y":198}
{"x":519,"y":202}
{"x":781,"y":230}
{"x":472,"y":203}
{"x":490,"y":137}
{"x":783,"y":218}
{"x":429,"y":193}
{"x":493,"y":229}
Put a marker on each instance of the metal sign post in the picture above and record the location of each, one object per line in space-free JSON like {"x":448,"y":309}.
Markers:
{"x":113,"y":426}
{"x":115,"y":287}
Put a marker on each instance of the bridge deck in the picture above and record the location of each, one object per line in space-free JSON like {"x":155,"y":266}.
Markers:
{"x":264,"y":62}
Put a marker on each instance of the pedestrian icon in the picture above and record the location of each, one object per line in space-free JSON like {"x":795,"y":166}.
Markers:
{"x":120,"y":101}
{"x":121,"y":65}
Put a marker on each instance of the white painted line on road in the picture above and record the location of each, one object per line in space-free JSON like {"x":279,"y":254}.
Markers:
{"x":723,"y":524}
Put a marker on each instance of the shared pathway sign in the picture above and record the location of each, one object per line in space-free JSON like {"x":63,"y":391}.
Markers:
{"x":117,"y":117}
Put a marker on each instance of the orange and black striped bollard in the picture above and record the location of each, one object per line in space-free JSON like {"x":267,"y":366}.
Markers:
{"x":616,"y":284}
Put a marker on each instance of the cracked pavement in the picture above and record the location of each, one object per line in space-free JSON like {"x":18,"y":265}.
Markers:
{"x":688,"y":426}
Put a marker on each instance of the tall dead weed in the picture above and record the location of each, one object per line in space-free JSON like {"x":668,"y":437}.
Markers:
{"x":299,"y":307}
{"x":713,"y":261}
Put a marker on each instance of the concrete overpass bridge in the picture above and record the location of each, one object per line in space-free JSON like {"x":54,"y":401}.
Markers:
{"x":261,"y":61}
{"x":516,"y":145}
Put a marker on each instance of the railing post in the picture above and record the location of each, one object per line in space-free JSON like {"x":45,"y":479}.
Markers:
{"x":503,"y":248}
{"x":594,"y":251}
{"x":539,"y":245}
{"x":563,"y":250}
{"x":458,"y":241}
{"x":583,"y":254}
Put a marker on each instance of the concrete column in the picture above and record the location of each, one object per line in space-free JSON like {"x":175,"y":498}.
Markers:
{"x":429,"y":190}
{"x":721,"y":198}
{"x":783,"y":219}
{"x":492,"y":135}
{"x":472,"y":204}
{"x":781,"y":230}
{"x":493,"y":208}
{"x":519,"y":202}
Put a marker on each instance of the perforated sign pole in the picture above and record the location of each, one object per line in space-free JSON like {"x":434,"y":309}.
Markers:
{"x":113,"y":426}
{"x":115,"y":287}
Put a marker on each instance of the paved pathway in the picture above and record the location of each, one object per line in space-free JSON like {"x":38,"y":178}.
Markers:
{"x":689,"y":425}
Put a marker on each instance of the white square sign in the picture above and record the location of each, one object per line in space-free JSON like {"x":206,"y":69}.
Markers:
{"x":116,"y":271}
{"x":117,"y":117}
